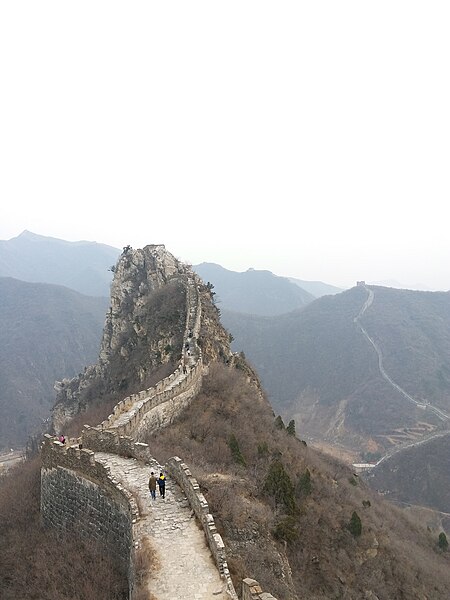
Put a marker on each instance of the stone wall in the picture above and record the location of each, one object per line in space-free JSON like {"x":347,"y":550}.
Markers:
{"x":79,"y":492}
{"x":104,"y":440}
{"x":157,"y":406}
{"x":251,"y":590}
{"x":182,"y":475}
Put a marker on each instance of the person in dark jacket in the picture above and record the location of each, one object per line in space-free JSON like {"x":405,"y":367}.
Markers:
{"x":162,"y":485}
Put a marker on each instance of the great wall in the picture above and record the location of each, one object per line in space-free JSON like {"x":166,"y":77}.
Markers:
{"x":98,"y":485}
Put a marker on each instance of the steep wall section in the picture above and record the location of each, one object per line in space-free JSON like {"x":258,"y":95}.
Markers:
{"x":79,"y":492}
{"x":143,"y":330}
{"x":183,"y":477}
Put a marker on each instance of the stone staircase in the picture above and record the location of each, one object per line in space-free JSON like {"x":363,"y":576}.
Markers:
{"x":182,"y":566}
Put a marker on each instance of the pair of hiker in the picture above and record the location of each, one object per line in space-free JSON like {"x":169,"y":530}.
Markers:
{"x":161,"y":484}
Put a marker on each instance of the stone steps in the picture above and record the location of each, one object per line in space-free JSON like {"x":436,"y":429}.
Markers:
{"x":185,"y":568}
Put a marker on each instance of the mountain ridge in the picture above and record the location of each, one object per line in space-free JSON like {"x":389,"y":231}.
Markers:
{"x":83,"y":266}
{"x":47,"y":331}
{"x":280,"y":506}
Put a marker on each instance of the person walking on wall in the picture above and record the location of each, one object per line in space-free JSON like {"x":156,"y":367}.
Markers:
{"x":162,"y":485}
{"x":152,"y":485}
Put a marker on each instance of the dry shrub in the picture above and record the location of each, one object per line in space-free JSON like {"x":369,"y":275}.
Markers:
{"x":324,"y":550}
{"x":38,"y":564}
{"x":145,"y":562}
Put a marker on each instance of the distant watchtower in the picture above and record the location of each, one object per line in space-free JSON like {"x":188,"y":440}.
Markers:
{"x":360,"y":283}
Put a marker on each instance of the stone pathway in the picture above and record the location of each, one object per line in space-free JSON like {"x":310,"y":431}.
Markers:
{"x":185,"y":567}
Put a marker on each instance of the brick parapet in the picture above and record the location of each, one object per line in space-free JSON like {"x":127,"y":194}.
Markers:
{"x":183,"y":476}
{"x":139,"y":404}
{"x":104,"y":440}
{"x":251,"y":590}
{"x":54,"y":455}
{"x":78,"y":492}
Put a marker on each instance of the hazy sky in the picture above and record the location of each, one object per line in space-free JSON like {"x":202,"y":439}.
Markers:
{"x":308,"y":138}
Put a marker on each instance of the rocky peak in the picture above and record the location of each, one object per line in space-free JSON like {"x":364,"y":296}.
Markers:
{"x":136,"y":275}
{"x":144,"y":330}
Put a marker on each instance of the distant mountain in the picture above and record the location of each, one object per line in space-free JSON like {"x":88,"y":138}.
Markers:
{"x":82,"y":266}
{"x":401,"y":286}
{"x":47,"y":332}
{"x":316,"y":288}
{"x":253,"y":291}
{"x":319,"y":367}
{"x":298,"y":522}
{"x":419,"y":475}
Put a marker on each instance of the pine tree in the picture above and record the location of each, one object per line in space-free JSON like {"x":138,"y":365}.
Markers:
{"x":304,"y":483}
{"x":278,"y":484}
{"x":236,"y":451}
{"x":442,"y":542}
{"x":279,"y":423}
{"x":355,"y":525}
{"x":291,"y":427}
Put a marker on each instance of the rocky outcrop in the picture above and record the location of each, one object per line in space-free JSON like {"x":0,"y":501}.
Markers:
{"x":214,"y":340}
{"x":137,"y":274}
{"x":152,"y":298}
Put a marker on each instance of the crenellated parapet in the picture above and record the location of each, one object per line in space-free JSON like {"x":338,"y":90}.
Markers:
{"x":157,"y":406}
{"x":251,"y":590}
{"x":129,"y":412}
{"x":78,"y":492}
{"x":106,"y":440}
{"x":182,"y":475}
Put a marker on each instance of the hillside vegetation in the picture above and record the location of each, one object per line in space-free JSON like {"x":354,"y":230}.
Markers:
{"x":37,"y":564}
{"x":285,"y":512}
{"x":318,"y":367}
{"x":47,"y":332}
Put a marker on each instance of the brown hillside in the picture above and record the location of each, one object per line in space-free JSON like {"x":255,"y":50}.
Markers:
{"x":319,"y":368}
{"x":300,"y":523}
{"x":295,"y":541}
{"x":47,"y":332}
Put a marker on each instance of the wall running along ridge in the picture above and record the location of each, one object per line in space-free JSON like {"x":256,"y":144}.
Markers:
{"x":77,"y":491}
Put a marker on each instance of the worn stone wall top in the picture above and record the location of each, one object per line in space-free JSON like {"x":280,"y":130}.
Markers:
{"x":137,"y":273}
{"x":54,"y":454}
{"x":189,"y":484}
{"x":251,"y":590}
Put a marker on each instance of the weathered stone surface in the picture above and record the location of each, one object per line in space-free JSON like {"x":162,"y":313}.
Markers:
{"x":100,"y":493}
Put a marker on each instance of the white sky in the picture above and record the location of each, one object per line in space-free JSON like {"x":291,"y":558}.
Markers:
{"x":308,"y":138}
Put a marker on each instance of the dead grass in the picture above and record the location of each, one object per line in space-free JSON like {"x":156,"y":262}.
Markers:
{"x":391,"y":555}
{"x":145,"y":563}
{"x":38,"y":564}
